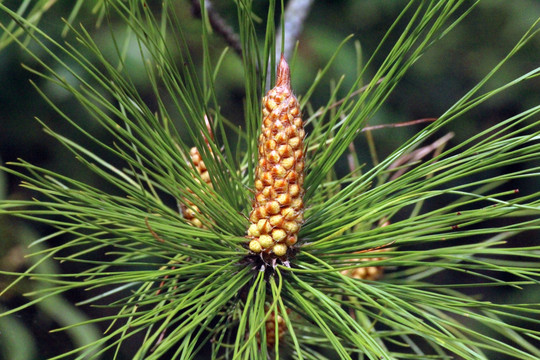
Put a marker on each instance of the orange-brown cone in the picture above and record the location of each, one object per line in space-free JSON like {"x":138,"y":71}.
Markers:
{"x":278,"y":208}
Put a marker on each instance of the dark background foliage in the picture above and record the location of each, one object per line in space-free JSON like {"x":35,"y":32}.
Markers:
{"x":439,"y":79}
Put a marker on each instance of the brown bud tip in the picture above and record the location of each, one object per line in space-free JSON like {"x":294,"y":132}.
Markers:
{"x":283,"y":74}
{"x":209,"y":127}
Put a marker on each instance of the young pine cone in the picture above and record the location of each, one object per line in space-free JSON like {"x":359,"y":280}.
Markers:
{"x":278,"y":208}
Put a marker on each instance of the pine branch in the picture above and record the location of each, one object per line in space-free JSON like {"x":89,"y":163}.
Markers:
{"x":392,"y":260}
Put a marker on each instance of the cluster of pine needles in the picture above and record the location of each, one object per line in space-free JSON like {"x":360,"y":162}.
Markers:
{"x":439,"y":219}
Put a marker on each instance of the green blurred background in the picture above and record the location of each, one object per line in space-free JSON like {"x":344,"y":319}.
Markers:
{"x":439,"y":79}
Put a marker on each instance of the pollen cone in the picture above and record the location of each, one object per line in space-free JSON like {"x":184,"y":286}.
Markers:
{"x":189,"y":209}
{"x":278,"y":208}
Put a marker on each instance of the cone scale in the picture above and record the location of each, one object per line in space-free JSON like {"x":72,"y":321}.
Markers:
{"x":278,"y":207}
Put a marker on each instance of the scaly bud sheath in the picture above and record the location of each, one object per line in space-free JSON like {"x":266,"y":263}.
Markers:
{"x":278,"y":208}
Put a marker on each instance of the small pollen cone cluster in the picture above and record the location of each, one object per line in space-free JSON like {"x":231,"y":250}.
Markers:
{"x":190,"y":210}
{"x":367,"y":272}
{"x":278,"y":208}
{"x":371,"y":273}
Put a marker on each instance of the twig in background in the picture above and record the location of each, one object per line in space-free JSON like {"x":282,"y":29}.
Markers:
{"x":341,"y":101}
{"x":295,"y":15}
{"x":401,"y":124}
{"x":417,"y":155}
{"x":219,"y":24}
